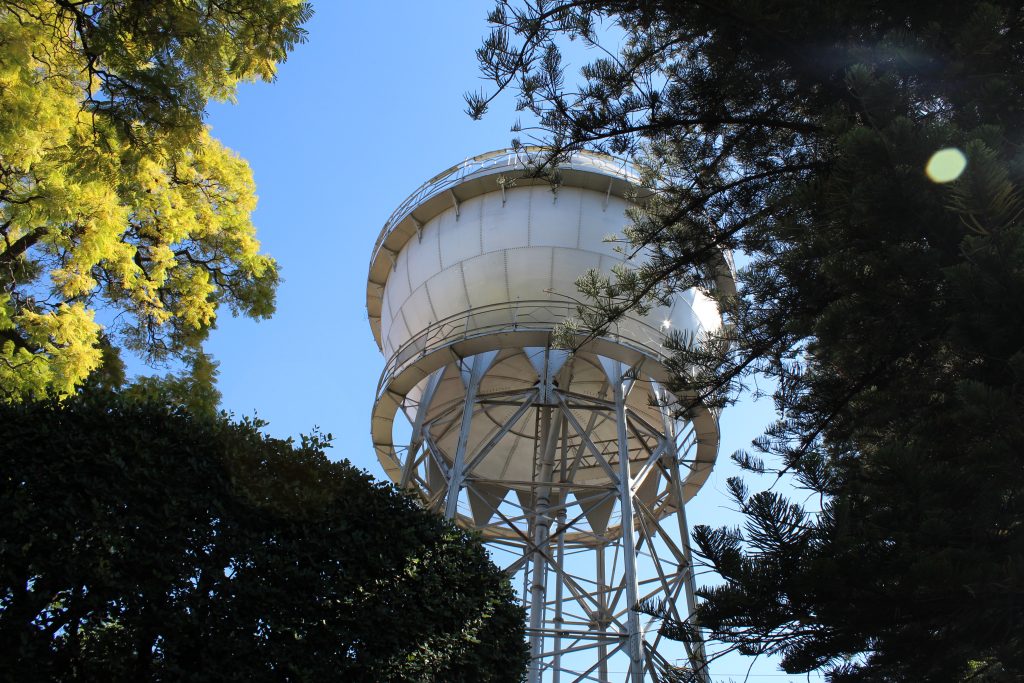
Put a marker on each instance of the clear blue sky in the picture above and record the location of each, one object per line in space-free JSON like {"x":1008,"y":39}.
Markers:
{"x":365,"y":111}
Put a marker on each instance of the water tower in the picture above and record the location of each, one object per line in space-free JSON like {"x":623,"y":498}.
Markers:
{"x":571,"y":465}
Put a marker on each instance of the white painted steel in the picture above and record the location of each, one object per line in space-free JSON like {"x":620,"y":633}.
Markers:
{"x":500,"y":260}
{"x":544,"y":452}
{"x":531,"y":246}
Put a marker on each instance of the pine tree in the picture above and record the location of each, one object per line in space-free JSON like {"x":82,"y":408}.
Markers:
{"x":885,"y":303}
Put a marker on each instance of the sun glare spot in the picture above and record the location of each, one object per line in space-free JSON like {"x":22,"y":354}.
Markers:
{"x":946,"y":165}
{"x":665,"y":324}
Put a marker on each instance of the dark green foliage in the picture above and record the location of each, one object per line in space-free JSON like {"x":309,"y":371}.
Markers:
{"x":887,"y":309}
{"x":142,"y":543}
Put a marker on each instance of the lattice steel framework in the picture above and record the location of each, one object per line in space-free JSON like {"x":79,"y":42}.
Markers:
{"x":597,"y":525}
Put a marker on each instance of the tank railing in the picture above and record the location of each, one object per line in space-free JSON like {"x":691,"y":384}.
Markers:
{"x":507,"y":158}
{"x":523,"y":316}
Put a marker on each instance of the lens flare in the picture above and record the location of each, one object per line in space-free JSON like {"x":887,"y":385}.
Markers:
{"x":946,"y":165}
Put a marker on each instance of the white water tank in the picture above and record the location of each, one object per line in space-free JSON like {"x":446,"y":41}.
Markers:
{"x":484,"y":257}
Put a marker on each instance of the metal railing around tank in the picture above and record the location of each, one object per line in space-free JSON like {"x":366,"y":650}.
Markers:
{"x":515,"y":316}
{"x":510,"y":159}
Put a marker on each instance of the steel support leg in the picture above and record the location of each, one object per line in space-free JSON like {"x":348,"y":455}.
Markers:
{"x":700,"y":663}
{"x":634,"y":646}
{"x":602,"y":620}
{"x":556,"y":663}
{"x":417,"y":426}
{"x":547,"y":441}
{"x":478,"y":367}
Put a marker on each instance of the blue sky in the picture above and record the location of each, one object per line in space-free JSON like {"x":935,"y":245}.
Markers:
{"x":369,"y":108}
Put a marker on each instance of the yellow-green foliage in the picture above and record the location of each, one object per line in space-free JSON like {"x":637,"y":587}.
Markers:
{"x":112,"y":192}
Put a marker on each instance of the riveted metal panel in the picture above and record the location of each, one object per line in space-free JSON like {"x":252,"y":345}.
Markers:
{"x":570,"y":264}
{"x":397,"y":288}
{"x":510,"y":226}
{"x":460,"y":239}
{"x":417,"y":310}
{"x":447,"y":293}
{"x":487,"y":273}
{"x":529,"y":272}
{"x":598,"y":222}
{"x":556,"y":216}
{"x":424,"y":258}
{"x":397,"y":331}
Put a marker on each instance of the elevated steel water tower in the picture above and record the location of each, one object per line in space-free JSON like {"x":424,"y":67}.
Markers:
{"x":571,"y":465}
